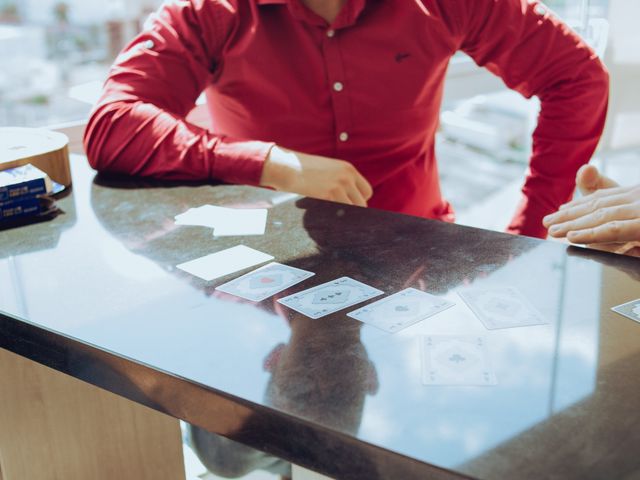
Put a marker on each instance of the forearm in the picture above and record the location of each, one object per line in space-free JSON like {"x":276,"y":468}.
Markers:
{"x":137,"y":138}
{"x":569,"y":128}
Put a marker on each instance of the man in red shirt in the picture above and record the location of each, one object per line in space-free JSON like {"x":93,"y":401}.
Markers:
{"x":339,"y":99}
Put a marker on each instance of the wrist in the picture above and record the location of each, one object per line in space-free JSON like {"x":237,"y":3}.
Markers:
{"x":279,"y":169}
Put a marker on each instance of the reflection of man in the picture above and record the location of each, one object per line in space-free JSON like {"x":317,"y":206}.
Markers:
{"x":339,"y":99}
{"x":607,"y":217}
{"x":323,"y":374}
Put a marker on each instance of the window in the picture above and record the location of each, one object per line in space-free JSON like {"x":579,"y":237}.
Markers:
{"x":56,"y":55}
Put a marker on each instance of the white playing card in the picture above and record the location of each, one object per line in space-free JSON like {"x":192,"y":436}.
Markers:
{"x":330,"y":297}
{"x":226,"y":221}
{"x":225,"y":262}
{"x":401,"y":310}
{"x":204,"y":216}
{"x":501,"y":307}
{"x":265,"y":282}
{"x":248,"y":221}
{"x":456,"y":360}
{"x":630,"y":310}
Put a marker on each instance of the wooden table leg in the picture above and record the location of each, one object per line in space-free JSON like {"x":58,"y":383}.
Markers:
{"x":53,"y":426}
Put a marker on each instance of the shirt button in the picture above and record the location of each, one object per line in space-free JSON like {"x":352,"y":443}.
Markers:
{"x":344,"y":136}
{"x":338,"y":86}
{"x":331,"y":33}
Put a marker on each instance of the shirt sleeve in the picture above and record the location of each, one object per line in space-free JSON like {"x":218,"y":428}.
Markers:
{"x":139,"y":126}
{"x":534,"y":53}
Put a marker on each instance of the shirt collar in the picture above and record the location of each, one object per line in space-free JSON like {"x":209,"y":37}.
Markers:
{"x":347,"y":16}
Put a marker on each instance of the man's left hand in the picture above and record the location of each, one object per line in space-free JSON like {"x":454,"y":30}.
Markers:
{"x":608,"y":219}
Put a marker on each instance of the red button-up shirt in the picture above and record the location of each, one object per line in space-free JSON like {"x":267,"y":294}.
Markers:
{"x":366,"y":89}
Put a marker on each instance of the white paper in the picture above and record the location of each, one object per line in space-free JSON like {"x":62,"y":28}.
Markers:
{"x":224,"y":262}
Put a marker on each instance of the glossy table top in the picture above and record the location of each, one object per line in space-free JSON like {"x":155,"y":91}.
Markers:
{"x":95,"y":293}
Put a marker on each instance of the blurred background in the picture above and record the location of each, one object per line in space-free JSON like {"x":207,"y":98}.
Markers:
{"x":57,"y":54}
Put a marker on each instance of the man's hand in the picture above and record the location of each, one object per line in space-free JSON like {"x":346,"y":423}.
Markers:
{"x":315,"y":176}
{"x":607,"y":217}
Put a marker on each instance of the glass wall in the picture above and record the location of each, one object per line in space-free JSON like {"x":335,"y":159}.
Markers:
{"x":55,"y":55}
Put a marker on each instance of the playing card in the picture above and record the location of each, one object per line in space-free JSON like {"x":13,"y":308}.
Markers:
{"x":226,"y":221}
{"x":204,"y":216}
{"x":224,"y":262}
{"x":265,"y":282}
{"x":401,"y":310}
{"x":239,"y":221}
{"x":330,"y":297}
{"x":630,"y":310}
{"x":501,"y":307}
{"x":456,"y":360}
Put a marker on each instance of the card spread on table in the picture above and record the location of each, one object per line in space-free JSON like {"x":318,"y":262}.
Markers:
{"x":501,"y":307}
{"x":630,"y":310}
{"x":456,"y":360}
{"x":226,"y":222}
{"x":204,"y":216}
{"x":330,"y":297}
{"x":265,"y":282}
{"x":224,"y":262}
{"x":401,"y":310}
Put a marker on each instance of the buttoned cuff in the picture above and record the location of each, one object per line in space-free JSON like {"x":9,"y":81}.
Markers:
{"x":528,"y":219}
{"x":239,"y":162}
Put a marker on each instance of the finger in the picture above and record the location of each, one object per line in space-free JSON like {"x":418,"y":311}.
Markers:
{"x":599,"y":216}
{"x":634,"y":252}
{"x":580,"y":209}
{"x":616,"y":231}
{"x":340,"y":196}
{"x":356,"y":197}
{"x":587,"y":179}
{"x":364,"y":187}
{"x":604,"y":193}
{"x":567,"y":215}
{"x":609,"y":247}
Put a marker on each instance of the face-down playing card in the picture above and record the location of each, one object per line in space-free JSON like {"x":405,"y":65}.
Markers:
{"x":501,"y":307}
{"x":401,"y":310}
{"x":456,"y":360}
{"x":330,"y":297}
{"x":265,"y":282}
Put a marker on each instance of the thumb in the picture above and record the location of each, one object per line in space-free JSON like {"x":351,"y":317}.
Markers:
{"x":589,"y":179}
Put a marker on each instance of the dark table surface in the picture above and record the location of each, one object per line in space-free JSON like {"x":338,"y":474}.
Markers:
{"x":95,"y":293}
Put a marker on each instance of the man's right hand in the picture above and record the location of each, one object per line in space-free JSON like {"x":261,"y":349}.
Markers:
{"x":315,"y":176}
